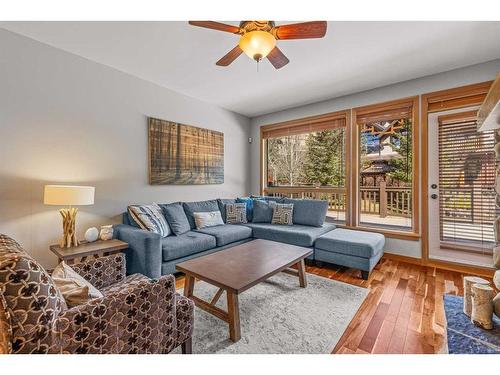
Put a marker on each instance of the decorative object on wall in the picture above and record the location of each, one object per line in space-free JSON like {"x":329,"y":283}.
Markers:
{"x":106,"y":232}
{"x":63,"y":195}
{"x":91,"y":234}
{"x":184,"y":155}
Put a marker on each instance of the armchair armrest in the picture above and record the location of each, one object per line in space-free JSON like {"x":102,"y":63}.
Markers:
{"x":103,"y":271}
{"x":137,"y":319}
{"x":144,"y":254}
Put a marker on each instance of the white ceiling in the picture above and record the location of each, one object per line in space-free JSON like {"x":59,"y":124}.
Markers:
{"x":354,"y":56}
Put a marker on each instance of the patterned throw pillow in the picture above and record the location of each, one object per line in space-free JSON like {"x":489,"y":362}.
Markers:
{"x":207,"y":219}
{"x":236,"y":213}
{"x":282,"y":214}
{"x":150,"y":217}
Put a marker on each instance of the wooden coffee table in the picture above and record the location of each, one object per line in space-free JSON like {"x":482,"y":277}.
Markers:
{"x":239,"y":268}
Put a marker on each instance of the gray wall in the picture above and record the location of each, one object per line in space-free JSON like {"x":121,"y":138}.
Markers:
{"x":454,"y":78}
{"x":64,"y":119}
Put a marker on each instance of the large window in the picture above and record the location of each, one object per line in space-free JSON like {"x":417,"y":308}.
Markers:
{"x":386,"y":186}
{"x":308,"y":160}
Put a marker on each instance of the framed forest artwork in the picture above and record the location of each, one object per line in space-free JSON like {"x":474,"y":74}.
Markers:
{"x":184,"y":155}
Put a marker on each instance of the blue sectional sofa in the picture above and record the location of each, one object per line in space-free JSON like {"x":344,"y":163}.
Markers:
{"x":153,"y":256}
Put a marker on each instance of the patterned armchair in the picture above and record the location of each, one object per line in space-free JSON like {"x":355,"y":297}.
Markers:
{"x":136,"y":314}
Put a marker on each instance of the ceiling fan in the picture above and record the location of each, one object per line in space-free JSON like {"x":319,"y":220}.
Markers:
{"x":258,"y":38}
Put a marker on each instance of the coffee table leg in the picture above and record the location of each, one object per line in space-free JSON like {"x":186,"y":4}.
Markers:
{"x":302,"y":273}
{"x":188,"y":286}
{"x":233,"y":312}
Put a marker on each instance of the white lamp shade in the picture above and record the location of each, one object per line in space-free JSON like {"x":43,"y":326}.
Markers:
{"x":64,"y":195}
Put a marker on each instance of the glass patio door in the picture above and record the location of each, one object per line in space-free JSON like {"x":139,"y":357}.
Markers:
{"x":461,"y":188}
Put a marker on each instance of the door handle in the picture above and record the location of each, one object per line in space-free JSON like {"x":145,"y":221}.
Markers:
{"x":434,"y":196}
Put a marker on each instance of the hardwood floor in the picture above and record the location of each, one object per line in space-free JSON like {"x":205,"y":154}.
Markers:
{"x":404,"y":311}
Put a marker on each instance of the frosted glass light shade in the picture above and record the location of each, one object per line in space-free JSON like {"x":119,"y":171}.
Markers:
{"x":64,"y":195}
{"x":257,"y":44}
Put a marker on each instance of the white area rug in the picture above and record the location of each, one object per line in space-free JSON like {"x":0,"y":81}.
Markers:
{"x":277,"y":316}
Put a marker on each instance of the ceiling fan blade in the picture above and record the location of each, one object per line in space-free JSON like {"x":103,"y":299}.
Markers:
{"x":216,"y":26}
{"x":304,"y":30}
{"x":230,"y":56}
{"x":277,"y":58}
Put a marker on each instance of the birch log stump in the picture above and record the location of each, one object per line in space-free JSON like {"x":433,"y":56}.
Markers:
{"x":468,"y":282}
{"x":482,"y":306}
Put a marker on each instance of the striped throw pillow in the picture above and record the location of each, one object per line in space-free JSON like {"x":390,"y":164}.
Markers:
{"x":150,"y":217}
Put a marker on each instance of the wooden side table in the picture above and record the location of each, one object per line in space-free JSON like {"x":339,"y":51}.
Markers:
{"x":86,"y":249}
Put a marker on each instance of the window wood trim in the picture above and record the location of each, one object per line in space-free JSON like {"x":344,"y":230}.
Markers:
{"x":344,"y":115}
{"x":361,"y":112}
{"x":439,"y":101}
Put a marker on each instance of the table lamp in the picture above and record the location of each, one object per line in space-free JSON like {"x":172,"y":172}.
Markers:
{"x":64,"y":195}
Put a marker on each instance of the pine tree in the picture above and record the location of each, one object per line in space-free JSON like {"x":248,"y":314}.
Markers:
{"x":324,"y":163}
{"x":403,"y":167}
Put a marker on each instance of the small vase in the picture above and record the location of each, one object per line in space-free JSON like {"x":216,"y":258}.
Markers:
{"x":106,"y":232}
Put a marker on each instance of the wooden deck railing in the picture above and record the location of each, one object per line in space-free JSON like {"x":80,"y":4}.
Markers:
{"x":378,"y":200}
{"x":336,"y":197}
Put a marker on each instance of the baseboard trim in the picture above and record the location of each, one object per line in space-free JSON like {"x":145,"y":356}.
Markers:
{"x":448,"y":266}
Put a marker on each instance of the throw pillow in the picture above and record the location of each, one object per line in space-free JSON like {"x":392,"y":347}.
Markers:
{"x":150,"y":217}
{"x":262,"y":211}
{"x":222,"y":206}
{"x":201,"y":206}
{"x":236,"y":213}
{"x":74,"y":288}
{"x":308,"y":211}
{"x":176,"y":218}
{"x":207,"y":219}
{"x":282,"y":214}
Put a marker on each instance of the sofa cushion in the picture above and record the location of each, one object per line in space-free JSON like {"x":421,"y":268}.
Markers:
{"x":308,"y":211}
{"x":300,"y":235}
{"x":192,"y":242}
{"x":203,"y":206}
{"x":222,"y":206}
{"x":262,"y":211}
{"x":351,"y":242}
{"x":226,"y":234}
{"x":176,"y":218}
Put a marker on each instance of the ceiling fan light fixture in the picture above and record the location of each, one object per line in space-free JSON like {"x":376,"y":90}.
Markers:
{"x":257,"y":44}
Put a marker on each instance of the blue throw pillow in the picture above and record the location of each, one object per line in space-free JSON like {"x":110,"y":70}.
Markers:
{"x":176,"y":218}
{"x":262,"y":211}
{"x":308,"y":211}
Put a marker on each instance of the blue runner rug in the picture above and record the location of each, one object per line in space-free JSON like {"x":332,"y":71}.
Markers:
{"x":463,"y":336}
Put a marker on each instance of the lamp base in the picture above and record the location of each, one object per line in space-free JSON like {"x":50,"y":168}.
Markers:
{"x":69,"y":232}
